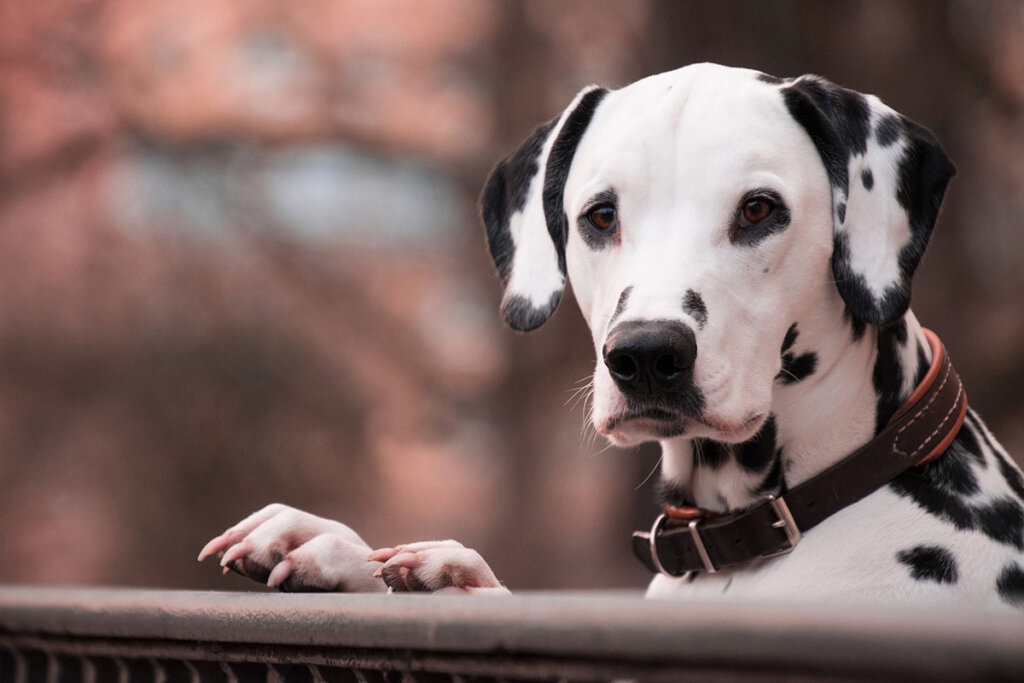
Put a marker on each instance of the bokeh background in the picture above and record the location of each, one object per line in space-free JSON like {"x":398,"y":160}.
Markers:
{"x":240,"y":263}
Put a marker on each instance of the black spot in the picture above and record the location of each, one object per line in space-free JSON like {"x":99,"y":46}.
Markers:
{"x":930,"y":563}
{"x":621,"y":305}
{"x":867,"y":178}
{"x":939,"y":488}
{"x":559,"y":161}
{"x":505,"y":194}
{"x":888,"y":130}
{"x":791,"y":334}
{"x":1003,"y":521}
{"x":933,"y":498}
{"x":522,"y":315}
{"x":693,"y":305}
{"x":708,"y":453}
{"x":857,"y":325}
{"x":774,"y":481}
{"x":841,"y":212}
{"x":797,"y":368}
{"x":771,"y":80}
{"x":673,"y":493}
{"x":888,"y":372}
{"x":756,"y":453}
{"x":1010,"y":585}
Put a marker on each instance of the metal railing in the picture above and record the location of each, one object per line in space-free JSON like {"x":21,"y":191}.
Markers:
{"x":98,"y":635}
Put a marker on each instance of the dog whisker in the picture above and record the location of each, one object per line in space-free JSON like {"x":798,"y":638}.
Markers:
{"x":650,"y":474}
{"x":579,"y":394}
{"x":795,"y":378}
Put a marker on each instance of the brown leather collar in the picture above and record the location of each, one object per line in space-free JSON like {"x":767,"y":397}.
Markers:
{"x":686,"y":540}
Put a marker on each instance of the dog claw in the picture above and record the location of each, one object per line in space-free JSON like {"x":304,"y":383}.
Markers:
{"x":214,"y":546}
{"x":405,"y":559}
{"x":381,"y":555}
{"x":235,"y":552}
{"x":280,"y":573}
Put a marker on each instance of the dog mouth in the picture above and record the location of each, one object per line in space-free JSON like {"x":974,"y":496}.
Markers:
{"x":657,"y":422}
{"x":660,"y":423}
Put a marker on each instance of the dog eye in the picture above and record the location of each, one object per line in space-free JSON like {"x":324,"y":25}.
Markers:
{"x":755,"y":210}
{"x":603,"y":217}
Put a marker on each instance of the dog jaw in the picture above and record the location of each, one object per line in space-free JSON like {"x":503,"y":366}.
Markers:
{"x":626,"y":426}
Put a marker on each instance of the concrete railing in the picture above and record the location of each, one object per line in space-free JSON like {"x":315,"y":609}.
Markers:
{"x":99,"y":635}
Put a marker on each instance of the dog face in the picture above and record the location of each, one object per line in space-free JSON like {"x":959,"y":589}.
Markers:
{"x":698,"y":213}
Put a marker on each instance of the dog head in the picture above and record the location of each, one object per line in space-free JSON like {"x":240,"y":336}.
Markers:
{"x":698,"y":213}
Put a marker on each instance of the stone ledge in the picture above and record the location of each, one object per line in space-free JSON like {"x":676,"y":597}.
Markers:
{"x":527,"y":636}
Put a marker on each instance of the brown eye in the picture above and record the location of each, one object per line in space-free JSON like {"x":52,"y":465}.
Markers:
{"x":603,"y":217}
{"x":755,"y":210}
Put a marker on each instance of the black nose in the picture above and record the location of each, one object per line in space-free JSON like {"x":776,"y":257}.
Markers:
{"x":651,"y":357}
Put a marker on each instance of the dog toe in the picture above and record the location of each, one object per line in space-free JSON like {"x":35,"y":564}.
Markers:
{"x":437,"y":566}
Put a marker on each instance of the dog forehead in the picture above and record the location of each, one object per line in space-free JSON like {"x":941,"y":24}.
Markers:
{"x":702,"y":115}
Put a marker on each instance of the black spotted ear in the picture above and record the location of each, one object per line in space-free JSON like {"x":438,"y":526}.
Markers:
{"x":888,"y":177}
{"x":522,"y":210}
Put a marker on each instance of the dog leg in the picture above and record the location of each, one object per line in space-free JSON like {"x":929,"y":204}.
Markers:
{"x":439,"y":566}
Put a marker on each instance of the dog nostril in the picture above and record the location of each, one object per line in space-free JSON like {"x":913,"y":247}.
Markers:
{"x":668,"y":366}
{"x":622,"y":366}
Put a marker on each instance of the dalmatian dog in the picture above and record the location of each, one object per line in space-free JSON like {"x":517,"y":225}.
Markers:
{"x":742,"y":248}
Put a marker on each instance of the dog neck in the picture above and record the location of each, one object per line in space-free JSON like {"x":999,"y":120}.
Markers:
{"x":839,"y":385}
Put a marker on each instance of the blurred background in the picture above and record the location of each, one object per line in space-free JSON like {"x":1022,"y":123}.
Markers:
{"x":240,"y":263}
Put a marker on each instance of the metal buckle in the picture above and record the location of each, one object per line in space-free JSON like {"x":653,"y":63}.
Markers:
{"x":700,"y":549}
{"x":709,"y":566}
{"x":786,"y":523}
{"x":654,"y":544}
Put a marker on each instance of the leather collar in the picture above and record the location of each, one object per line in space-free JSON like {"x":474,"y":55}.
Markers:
{"x":686,"y":540}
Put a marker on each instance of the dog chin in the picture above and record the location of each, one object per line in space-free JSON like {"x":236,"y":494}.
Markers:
{"x":727,"y":431}
{"x":632,"y":430}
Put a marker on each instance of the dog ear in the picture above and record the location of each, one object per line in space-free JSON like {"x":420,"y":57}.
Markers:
{"x":522,"y":209}
{"x":888,"y":177}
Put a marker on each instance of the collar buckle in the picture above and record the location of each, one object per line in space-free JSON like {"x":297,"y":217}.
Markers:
{"x":698,"y":542}
{"x":702,"y":550}
{"x":786,"y":523}
{"x":654,"y":545}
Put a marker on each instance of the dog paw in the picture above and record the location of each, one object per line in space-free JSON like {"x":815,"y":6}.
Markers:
{"x":438,"y":566}
{"x":292,"y":550}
